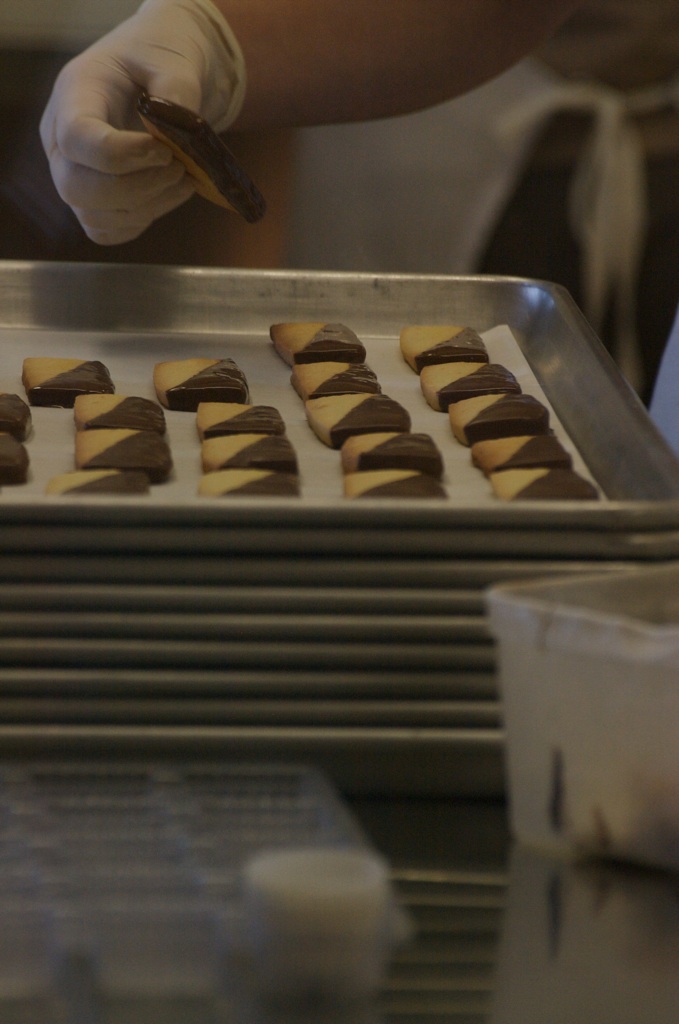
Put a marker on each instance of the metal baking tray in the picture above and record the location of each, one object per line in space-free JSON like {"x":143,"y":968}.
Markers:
{"x":604,"y":419}
{"x":346,"y":634}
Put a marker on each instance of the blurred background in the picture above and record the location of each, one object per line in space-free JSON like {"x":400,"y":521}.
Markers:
{"x":564,"y":169}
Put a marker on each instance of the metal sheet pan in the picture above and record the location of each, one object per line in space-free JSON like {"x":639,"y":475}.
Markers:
{"x":605,"y":420}
{"x":229,"y":711}
{"x":375,"y":569}
{"x":374,"y":761}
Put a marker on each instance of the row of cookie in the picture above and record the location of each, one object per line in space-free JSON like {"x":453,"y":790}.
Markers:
{"x":119,"y":446}
{"x":346,"y":409}
{"x":508,"y":431}
{"x":243,"y":448}
{"x":179,"y":384}
{"x":15,"y":427}
{"x":124,"y":452}
{"x":123,"y":435}
{"x":245,"y":451}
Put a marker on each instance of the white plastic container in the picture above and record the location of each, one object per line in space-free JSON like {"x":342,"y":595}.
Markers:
{"x":589,"y":678}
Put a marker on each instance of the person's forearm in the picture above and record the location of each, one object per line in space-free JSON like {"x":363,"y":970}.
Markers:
{"x":315,"y":61}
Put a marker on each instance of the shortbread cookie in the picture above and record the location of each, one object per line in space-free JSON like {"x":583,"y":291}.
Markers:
{"x":254,"y":451}
{"x":491,"y":416}
{"x":314,"y":380}
{"x":392,"y":483}
{"x":431,"y":344}
{"x":542,"y":484}
{"x":313,"y":342}
{"x":15,"y":416}
{"x":392,"y":451}
{"x":217,"y":419}
{"x":96,"y":412}
{"x":184,"y":383}
{"x":99,"y":481}
{"x":13,"y":460}
{"x":520,"y":453}
{"x":219,"y":177}
{"x":144,"y":450}
{"x":451,"y":382}
{"x":248,"y":482}
{"x":57,"y":382}
{"x":337,"y":417}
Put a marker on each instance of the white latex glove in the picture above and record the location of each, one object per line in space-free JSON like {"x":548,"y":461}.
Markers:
{"x":118,"y":179}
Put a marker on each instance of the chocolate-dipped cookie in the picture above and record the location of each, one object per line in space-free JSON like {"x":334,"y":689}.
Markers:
{"x":99,"y":481}
{"x":219,"y":177}
{"x":392,"y":483}
{"x":182,"y":384}
{"x":520,"y":453}
{"x":316,"y":342}
{"x":392,"y":451}
{"x":491,"y":416}
{"x":254,"y":451}
{"x":15,"y":416}
{"x":143,"y":450}
{"x":444,"y":383}
{"x":430,"y":344}
{"x":98,"y":412}
{"x":313,"y":380}
{"x":542,"y":485}
{"x":337,"y":417}
{"x":13,"y":460}
{"x":218,"y":419}
{"x":248,"y":483}
{"x":53,"y":381}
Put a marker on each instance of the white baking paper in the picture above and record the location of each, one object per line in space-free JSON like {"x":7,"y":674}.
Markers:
{"x":131,"y":357}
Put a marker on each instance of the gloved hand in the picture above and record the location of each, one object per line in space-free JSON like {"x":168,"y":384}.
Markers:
{"x":118,"y":179}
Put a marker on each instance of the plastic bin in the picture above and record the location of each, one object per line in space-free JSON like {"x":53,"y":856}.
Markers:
{"x":589,"y":679}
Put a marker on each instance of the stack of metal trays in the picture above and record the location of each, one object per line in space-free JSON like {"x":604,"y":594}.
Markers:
{"x":349,"y":633}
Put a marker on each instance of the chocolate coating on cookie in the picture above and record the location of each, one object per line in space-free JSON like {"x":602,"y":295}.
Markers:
{"x":392,"y":483}
{"x":15,"y":416}
{"x":184,"y":383}
{"x":240,"y":451}
{"x":313,"y":380}
{"x":58,"y":382}
{"x":337,"y":417}
{"x":143,"y":450}
{"x":316,"y":342}
{"x":491,"y":416}
{"x":13,"y":460}
{"x":219,"y":177}
{"x":219,"y":419}
{"x":104,"y":481}
{"x":451,"y":382}
{"x":520,"y":453}
{"x":248,"y":483}
{"x":392,"y":451}
{"x":542,"y":485}
{"x":429,"y":345}
{"x":98,"y":412}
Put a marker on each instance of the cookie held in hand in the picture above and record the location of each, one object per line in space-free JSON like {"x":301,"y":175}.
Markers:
{"x":219,"y":177}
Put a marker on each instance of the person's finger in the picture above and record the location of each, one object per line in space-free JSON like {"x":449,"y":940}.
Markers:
{"x":80,"y":185}
{"x":113,"y":227}
{"x":84,"y":120}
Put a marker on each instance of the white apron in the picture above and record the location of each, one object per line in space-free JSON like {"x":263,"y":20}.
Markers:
{"x":422,"y":193}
